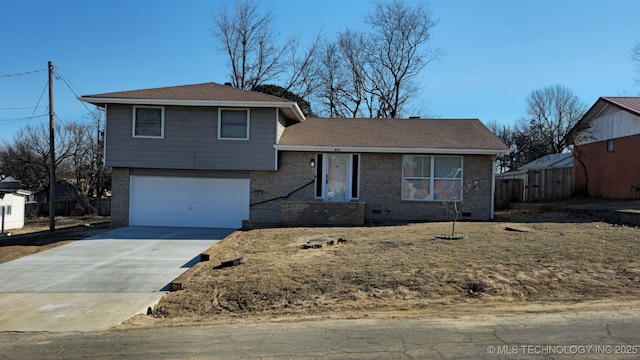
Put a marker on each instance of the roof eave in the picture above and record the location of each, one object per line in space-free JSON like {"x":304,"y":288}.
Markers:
{"x":17,"y":192}
{"x":395,"y":150}
{"x":293,"y":106}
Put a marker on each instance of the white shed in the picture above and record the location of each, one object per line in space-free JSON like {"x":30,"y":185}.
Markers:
{"x":12,"y":207}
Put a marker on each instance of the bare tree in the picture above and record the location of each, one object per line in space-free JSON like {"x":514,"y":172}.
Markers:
{"x":27,"y":158}
{"x":247,"y":38}
{"x":302,"y":74}
{"x":581,"y":134}
{"x":635,"y":59}
{"x":344,"y":82}
{"x":551,"y":113}
{"x":78,"y":156}
{"x":255,"y":56}
{"x":397,"y":54}
{"x":372,"y":74}
{"x":507,"y":135}
{"x":454,"y":203}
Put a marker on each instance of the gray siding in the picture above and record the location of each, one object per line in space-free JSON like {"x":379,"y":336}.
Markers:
{"x":190,"y":141}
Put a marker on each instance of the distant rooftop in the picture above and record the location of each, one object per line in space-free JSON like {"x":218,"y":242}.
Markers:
{"x":563,"y":160}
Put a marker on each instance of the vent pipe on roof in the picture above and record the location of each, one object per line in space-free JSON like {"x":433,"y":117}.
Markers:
{"x":414,"y":117}
{"x":227,"y":84}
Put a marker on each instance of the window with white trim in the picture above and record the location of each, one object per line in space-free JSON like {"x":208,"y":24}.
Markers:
{"x":148,"y":122}
{"x":233,"y":124}
{"x":431,"y":178}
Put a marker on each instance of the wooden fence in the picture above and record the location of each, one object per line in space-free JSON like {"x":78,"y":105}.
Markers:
{"x":508,"y":190}
{"x":540,"y":185}
{"x":101,"y":207}
{"x":550,"y":184}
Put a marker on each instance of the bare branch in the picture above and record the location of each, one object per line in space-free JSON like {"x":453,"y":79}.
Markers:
{"x":247,"y":38}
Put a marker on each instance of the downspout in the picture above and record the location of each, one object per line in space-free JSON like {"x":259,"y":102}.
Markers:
{"x":275,"y":166}
{"x":493,"y":185}
{"x":104,"y":138}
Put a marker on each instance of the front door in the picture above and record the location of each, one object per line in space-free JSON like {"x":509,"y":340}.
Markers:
{"x":337,"y":175}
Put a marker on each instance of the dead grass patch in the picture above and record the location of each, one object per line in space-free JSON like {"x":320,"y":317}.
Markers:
{"x":405,"y":268}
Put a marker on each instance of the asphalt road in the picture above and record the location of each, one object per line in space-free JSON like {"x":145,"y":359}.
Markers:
{"x":592,"y":335}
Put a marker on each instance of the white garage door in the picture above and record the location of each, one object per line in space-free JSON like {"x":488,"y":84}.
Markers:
{"x":188,"y":202}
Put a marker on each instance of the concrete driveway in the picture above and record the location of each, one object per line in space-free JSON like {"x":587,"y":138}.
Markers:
{"x":96,"y":283}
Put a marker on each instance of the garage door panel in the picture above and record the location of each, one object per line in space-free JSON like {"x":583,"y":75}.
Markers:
{"x":193,"y":202}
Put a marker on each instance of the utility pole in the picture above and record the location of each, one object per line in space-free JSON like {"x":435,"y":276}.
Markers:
{"x":52,"y":155}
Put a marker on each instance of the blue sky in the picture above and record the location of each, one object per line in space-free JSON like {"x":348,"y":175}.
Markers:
{"x":494,"y":52}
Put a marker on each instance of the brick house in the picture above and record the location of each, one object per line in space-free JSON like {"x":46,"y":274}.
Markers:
{"x":606,"y":152}
{"x":211,"y":155}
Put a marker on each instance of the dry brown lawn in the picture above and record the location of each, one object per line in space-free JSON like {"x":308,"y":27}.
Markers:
{"x":564,"y":259}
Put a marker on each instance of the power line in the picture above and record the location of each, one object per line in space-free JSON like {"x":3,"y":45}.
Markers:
{"x":17,"y":120}
{"x":59,"y":119}
{"x":19,"y":108}
{"x":46,"y":85}
{"x":23,"y":73}
{"x":28,"y":119}
{"x":69,"y":85}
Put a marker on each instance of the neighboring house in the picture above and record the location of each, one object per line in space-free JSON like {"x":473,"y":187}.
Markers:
{"x":553,"y":161}
{"x":608,"y":144}
{"x":12,"y":203}
{"x":212,"y":155}
{"x":65,"y":190}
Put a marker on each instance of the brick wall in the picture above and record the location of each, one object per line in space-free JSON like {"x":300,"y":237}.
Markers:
{"x":269,"y":188}
{"x":119,"y":197}
{"x":315,"y":213}
{"x":380,"y":190}
{"x":612,"y":174}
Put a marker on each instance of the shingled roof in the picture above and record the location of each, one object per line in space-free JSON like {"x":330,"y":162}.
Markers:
{"x":206,"y":94}
{"x":391,"y":135}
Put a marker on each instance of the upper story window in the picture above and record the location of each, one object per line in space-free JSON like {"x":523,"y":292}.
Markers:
{"x":233,"y":124}
{"x":436,"y":178}
{"x":148,"y":122}
{"x":610,"y":145}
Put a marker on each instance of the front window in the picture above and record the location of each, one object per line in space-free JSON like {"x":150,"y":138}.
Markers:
{"x":233,"y":124}
{"x":427,"y":178}
{"x":148,"y":122}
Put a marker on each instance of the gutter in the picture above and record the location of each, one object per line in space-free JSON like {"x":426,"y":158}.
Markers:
{"x":382,"y":149}
{"x":292,"y":105}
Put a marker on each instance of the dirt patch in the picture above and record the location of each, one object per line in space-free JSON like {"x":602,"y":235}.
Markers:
{"x":561,"y":259}
{"x":35,"y":235}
